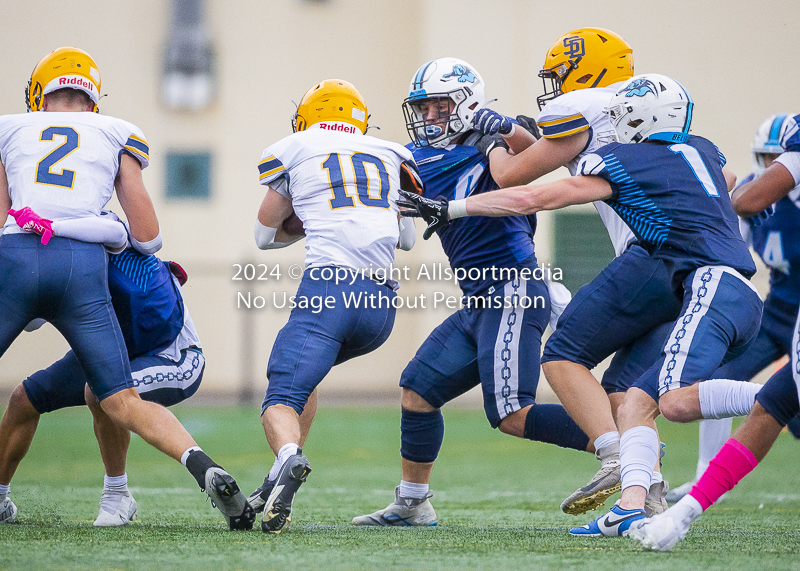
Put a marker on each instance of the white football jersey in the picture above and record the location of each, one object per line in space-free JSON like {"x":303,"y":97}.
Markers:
{"x":573,"y":113}
{"x":343,"y":186}
{"x":63,"y":165}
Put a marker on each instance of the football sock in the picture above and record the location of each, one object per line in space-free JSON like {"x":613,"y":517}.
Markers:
{"x":638,"y":452}
{"x":412,"y":490}
{"x":605,"y":440}
{"x":273,"y":472}
{"x":713,"y":434}
{"x":115,"y":483}
{"x":550,"y":423}
{"x":4,"y":489}
{"x":732,"y":463}
{"x":197,"y":462}
{"x":421,"y":435}
{"x":723,"y":398}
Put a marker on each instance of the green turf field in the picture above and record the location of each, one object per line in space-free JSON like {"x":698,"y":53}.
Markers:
{"x":496,"y":498}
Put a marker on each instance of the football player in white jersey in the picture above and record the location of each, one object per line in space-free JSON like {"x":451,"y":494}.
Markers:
{"x":582,"y":71}
{"x":343,"y":186}
{"x":64,"y":161}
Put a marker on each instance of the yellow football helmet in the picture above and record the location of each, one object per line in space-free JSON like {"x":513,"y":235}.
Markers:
{"x":333,"y":100}
{"x":63,"y":68}
{"x":586,"y":57}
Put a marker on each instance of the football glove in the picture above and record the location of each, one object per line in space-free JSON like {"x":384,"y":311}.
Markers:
{"x":762,"y":216}
{"x":488,"y":143}
{"x":432,"y":211}
{"x":529,"y":124}
{"x":490,"y":122}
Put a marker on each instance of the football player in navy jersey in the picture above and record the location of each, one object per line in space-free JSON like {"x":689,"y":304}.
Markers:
{"x":495,"y":346}
{"x":777,"y":241}
{"x":777,"y":403}
{"x":684,"y":219}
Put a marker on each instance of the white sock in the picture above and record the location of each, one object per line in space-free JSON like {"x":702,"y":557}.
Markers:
{"x":638,"y":453}
{"x":273,"y":472}
{"x":4,"y":489}
{"x":411,"y":490}
{"x":286,"y":452}
{"x":713,"y":434}
{"x":723,"y":398}
{"x":656,"y":479}
{"x":186,"y":453}
{"x":115,"y":483}
{"x":606,"y":439}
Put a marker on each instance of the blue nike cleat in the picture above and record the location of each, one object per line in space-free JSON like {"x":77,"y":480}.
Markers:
{"x":613,"y":524}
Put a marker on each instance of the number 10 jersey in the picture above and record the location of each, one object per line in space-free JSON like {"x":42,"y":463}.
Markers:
{"x":63,"y":165}
{"x":343,"y":186}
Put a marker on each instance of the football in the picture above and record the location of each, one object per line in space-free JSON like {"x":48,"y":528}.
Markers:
{"x":293,"y":225}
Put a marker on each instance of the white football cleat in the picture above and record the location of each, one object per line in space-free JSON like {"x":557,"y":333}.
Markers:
{"x":662,"y":532}
{"x":124,"y":507}
{"x":403,"y":512}
{"x":8,"y":511}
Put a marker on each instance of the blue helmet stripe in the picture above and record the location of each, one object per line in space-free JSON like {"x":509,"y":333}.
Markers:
{"x":689,"y":108}
{"x":775,"y":129}
{"x":421,"y":75}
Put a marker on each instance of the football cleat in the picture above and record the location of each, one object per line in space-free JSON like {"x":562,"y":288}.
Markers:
{"x":278,"y":506}
{"x":676,"y":494}
{"x":28,"y":220}
{"x":123,"y":506}
{"x":604,"y":484}
{"x":226,"y":496}
{"x":662,"y":532}
{"x":659,"y":533}
{"x":613,"y":524}
{"x":403,"y":512}
{"x":261,"y":494}
{"x":8,"y":511}
{"x":656,"y":500}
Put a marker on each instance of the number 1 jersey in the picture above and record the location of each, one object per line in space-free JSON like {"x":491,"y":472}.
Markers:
{"x":63,"y":165}
{"x":343,"y":186}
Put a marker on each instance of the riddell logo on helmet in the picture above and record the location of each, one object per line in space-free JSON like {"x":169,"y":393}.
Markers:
{"x":338,"y":126}
{"x":77,"y":82}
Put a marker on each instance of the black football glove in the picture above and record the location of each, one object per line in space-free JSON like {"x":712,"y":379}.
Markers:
{"x":434,"y":212}
{"x":529,"y":124}
{"x":488,"y":143}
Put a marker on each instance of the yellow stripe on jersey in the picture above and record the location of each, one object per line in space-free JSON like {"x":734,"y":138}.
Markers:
{"x":566,"y":133}
{"x":560,"y":120}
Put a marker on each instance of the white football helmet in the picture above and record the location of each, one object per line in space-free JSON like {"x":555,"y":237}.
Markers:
{"x":442,"y":99}
{"x":651,"y":106}
{"x":768,"y":140}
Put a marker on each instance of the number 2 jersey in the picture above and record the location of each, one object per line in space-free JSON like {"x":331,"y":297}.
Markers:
{"x":343,"y":186}
{"x":63,"y":165}
{"x":675,"y":199}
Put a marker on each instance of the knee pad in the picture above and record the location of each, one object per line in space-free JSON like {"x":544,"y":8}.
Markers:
{"x":421,"y":435}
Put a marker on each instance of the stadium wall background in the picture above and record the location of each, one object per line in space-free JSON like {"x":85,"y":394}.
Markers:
{"x":737,"y":58}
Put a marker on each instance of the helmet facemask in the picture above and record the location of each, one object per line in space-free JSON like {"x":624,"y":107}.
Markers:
{"x":555,"y":78}
{"x":439,"y":130}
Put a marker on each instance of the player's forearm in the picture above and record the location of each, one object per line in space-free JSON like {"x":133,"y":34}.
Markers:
{"x":110,"y":233}
{"x":754,"y":196}
{"x":519,"y":140}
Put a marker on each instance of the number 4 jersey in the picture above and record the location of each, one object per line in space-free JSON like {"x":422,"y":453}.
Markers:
{"x":343,"y":186}
{"x":63,"y":165}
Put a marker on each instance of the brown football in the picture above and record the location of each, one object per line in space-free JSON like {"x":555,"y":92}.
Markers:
{"x":293,"y":225}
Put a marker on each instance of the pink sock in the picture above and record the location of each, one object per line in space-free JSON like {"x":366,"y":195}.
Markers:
{"x":732,"y":463}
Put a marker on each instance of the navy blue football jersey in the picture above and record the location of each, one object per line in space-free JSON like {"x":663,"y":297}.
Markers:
{"x":777,"y":242}
{"x":791,"y":138}
{"x":675,"y":199}
{"x":148,"y":304}
{"x":474,"y":241}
